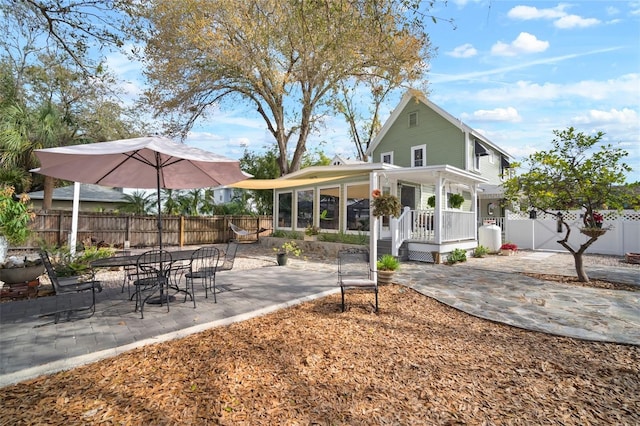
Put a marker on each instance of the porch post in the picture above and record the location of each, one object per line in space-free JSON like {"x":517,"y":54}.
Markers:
{"x":373,"y":227}
{"x":438,"y":212}
{"x":474,"y":205}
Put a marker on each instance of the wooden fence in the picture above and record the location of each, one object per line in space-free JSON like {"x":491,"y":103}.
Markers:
{"x":53,"y":228}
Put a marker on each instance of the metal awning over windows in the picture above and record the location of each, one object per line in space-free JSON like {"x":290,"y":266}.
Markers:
{"x":504,"y":163}
{"x":480,"y":150}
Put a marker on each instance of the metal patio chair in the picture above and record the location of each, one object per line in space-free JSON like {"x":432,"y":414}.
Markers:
{"x":153,"y":271}
{"x":202,"y":267}
{"x":71,"y":285}
{"x":354,"y":272}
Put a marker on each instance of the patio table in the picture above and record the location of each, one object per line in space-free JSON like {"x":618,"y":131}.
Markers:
{"x":130,"y":260}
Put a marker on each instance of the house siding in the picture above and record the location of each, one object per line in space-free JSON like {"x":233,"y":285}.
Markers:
{"x":445,"y":142}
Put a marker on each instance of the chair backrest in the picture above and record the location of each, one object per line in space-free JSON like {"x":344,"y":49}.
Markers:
{"x":205,"y":259}
{"x":229,"y":256}
{"x":354,"y":263}
{"x":53,"y":277}
{"x":154,"y":262}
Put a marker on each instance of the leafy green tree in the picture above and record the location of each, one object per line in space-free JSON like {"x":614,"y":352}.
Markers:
{"x":285,"y":58}
{"x":577,"y":172}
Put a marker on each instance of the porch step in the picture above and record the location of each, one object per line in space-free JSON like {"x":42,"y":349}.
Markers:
{"x":384,"y":247}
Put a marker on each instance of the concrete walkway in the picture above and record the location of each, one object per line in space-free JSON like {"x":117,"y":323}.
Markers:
{"x":493,"y":289}
{"x":487,"y":288}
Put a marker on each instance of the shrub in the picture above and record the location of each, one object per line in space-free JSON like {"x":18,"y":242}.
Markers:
{"x":457,"y":255}
{"x":480,"y":251}
{"x":70,"y":266}
{"x":289,"y":247}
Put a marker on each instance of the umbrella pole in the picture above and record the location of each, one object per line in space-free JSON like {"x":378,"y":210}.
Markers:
{"x":159,"y":204}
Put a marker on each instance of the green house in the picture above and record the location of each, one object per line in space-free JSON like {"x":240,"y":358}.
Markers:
{"x":425,"y":157}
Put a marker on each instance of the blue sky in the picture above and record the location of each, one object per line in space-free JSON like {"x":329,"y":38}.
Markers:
{"x":512,"y":70}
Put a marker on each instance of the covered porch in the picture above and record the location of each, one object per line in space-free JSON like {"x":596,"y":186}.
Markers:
{"x":431,"y":221}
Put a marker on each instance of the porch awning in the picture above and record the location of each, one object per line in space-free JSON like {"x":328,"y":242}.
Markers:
{"x":504,"y":163}
{"x":281,"y":183}
{"x":481,"y":151}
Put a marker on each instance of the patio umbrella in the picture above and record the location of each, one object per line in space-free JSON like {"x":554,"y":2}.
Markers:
{"x":146,"y":162}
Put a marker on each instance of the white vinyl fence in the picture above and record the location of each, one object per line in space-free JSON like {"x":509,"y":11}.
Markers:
{"x":542,"y":233}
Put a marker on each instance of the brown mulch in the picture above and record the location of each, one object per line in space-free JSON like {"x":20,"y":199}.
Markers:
{"x":594,"y":283}
{"x":415,"y":362}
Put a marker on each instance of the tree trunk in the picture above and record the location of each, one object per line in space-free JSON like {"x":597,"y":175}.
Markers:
{"x":47,"y":198}
{"x":582,"y":274}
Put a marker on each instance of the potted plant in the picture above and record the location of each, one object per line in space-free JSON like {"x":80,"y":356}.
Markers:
{"x":508,"y":249}
{"x":15,"y":215}
{"x":456,"y":200}
{"x":287,"y":248}
{"x":385,"y":204}
{"x":311,"y":233}
{"x":386,"y":267}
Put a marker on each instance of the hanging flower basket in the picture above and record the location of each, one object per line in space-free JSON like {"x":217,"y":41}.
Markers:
{"x":593,"y":232}
{"x":385,"y":204}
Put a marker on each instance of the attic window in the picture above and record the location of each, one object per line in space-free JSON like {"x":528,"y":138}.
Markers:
{"x":386,"y":157}
{"x":413,"y":119}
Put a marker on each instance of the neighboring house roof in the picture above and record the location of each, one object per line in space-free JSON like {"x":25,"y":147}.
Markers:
{"x":409,"y":96}
{"x":88,"y":192}
{"x":339,"y":161}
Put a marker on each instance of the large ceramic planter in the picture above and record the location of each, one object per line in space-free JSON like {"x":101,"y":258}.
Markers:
{"x":21,"y":275}
{"x":385,"y":277}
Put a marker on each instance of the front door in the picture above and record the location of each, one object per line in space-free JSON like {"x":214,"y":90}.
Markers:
{"x":408,"y":196}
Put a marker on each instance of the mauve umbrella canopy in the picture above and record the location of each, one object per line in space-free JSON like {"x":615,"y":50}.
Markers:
{"x":148,"y":162}
{"x":139,"y":163}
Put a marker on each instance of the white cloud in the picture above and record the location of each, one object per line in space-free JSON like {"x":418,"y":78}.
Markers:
{"x":523,"y":44}
{"x":625,"y":116}
{"x":561,"y":19}
{"x":575,"y":21}
{"x":509,"y":114}
{"x":612,"y":10}
{"x":464,"y":51}
{"x":526,"y":13}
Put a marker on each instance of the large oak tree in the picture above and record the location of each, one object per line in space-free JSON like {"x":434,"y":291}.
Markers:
{"x":286,"y":58}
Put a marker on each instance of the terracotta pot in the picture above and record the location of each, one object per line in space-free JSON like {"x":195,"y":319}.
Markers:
{"x":385,"y":277}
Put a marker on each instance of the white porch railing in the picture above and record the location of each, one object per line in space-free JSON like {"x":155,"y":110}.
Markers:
{"x":457,"y":225}
{"x":418,"y":225}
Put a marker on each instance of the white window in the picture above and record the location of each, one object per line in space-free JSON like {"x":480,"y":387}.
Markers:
{"x":419,"y":156}
{"x":413,"y":119}
{"x":386,"y":157}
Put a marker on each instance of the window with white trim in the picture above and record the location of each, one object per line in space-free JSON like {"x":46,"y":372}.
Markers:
{"x":413,"y":119}
{"x":386,"y":157}
{"x":419,"y":156}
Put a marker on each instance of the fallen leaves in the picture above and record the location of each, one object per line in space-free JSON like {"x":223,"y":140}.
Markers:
{"x":416,"y":362}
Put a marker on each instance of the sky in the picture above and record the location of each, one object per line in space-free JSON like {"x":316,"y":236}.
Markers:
{"x":512,"y":70}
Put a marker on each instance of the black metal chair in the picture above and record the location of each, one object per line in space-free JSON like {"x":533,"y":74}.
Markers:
{"x":153,"y":269}
{"x":354,"y":272}
{"x":203,"y":267}
{"x":71,"y":285}
{"x":229,"y":257}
